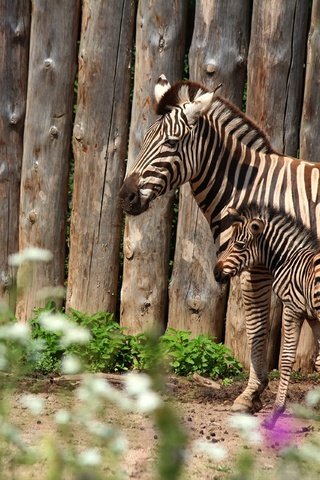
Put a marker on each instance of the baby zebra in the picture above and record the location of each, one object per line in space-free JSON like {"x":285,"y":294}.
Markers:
{"x":291,"y":253}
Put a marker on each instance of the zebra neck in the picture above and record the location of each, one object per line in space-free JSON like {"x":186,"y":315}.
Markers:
{"x":286,"y":247}
{"x":223,"y":157}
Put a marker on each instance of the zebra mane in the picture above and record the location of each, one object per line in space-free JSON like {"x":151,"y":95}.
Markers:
{"x":304,"y":235}
{"x":178,"y":94}
{"x":186,"y":91}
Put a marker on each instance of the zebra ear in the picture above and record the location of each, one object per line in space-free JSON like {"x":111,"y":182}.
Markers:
{"x":161,"y":87}
{"x":256,"y":226}
{"x":199,"y":107}
{"x":236,"y":217}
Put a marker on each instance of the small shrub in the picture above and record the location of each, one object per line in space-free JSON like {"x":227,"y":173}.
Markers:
{"x":112,"y":350}
{"x":198,"y":355}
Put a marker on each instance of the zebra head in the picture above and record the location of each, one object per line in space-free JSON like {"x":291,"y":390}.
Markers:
{"x":243,"y":248}
{"x":160,"y":166}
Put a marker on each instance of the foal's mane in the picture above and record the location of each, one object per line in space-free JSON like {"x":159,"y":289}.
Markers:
{"x":271,"y":214}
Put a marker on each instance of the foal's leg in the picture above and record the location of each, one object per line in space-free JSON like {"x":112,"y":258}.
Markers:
{"x":291,"y":331}
{"x":315,"y":326}
{"x":256,"y":292}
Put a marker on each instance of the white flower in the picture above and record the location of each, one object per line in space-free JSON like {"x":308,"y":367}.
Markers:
{"x":17,"y":331}
{"x":148,"y":401}
{"x":11,"y":434}
{"x":119,"y":445}
{"x":3,"y":363}
{"x":75,"y":334}
{"x":62,"y":417}
{"x":3,"y":358}
{"x":247,"y":426}
{"x":34,"y":403}
{"x":51,"y":292}
{"x":215,"y":452}
{"x":313,"y":397}
{"x":97,"y":388}
{"x":70,"y":364}
{"x":137,"y":383}
{"x":30,"y":254}
{"x":309,"y":453}
{"x":138,"y":386}
{"x":100,"y":387}
{"x":99,"y":429}
{"x":59,"y":323}
{"x":54,"y":322}
{"x":90,"y":458}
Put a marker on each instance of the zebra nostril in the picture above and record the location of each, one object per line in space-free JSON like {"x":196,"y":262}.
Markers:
{"x":220,"y":276}
{"x":132,"y":197}
{"x":217,"y":274}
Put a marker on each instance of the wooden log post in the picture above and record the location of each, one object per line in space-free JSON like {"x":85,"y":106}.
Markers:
{"x":310,"y":150}
{"x":159,"y":49}
{"x":14,"y":57}
{"x":44,"y":177}
{"x":99,"y":143}
{"x":274,"y":101}
{"x":218,"y":54}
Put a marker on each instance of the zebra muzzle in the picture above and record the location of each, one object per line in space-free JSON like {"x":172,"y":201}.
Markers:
{"x":220,"y":275}
{"x":130,"y":198}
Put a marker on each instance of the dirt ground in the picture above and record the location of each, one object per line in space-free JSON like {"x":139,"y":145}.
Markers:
{"x":204,"y":412}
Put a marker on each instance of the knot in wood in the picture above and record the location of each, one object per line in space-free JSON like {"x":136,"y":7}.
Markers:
{"x":35,"y":165}
{"x":128,"y":250}
{"x":210,"y":68}
{"x":195,"y":304}
{"x":162,"y":43}
{"x":78,"y":132}
{"x":14,"y":119}
{"x":32,"y":216}
{"x":48,"y":63}
{"x":18,"y":33}
{"x":54,"y":132}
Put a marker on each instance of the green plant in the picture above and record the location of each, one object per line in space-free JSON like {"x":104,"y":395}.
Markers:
{"x":198,"y":355}
{"x":110,"y":349}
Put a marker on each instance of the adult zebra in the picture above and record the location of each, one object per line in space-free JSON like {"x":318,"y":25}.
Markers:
{"x":291,"y":253}
{"x":201,"y":138}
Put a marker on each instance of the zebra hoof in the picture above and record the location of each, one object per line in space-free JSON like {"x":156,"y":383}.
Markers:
{"x":246,"y":405}
{"x":242,"y":405}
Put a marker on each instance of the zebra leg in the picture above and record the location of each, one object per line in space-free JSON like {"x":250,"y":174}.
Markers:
{"x":291,"y":331}
{"x":256,"y":288}
{"x":315,"y":326}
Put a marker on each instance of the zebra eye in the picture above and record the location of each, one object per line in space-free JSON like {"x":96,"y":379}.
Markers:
{"x":239,"y":244}
{"x":171,"y":142}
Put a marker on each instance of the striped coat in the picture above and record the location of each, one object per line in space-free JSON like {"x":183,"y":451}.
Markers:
{"x":202,"y":139}
{"x":291,"y":253}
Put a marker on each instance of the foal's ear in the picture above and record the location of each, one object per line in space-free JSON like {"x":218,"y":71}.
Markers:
{"x":256,"y":226}
{"x":235,"y":215}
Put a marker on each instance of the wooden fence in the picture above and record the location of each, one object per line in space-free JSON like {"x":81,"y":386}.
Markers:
{"x":267,"y":52}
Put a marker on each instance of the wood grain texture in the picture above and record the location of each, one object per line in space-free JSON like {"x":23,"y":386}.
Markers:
{"x":275,"y":70}
{"x":159,"y":49}
{"x":14,"y":57}
{"x":217,"y":55}
{"x":46,"y":149}
{"x":99,"y":143}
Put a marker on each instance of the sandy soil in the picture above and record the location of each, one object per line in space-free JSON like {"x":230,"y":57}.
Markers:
{"x":204,"y":412}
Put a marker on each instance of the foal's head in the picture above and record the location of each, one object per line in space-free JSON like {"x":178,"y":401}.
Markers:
{"x":243,"y":248}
